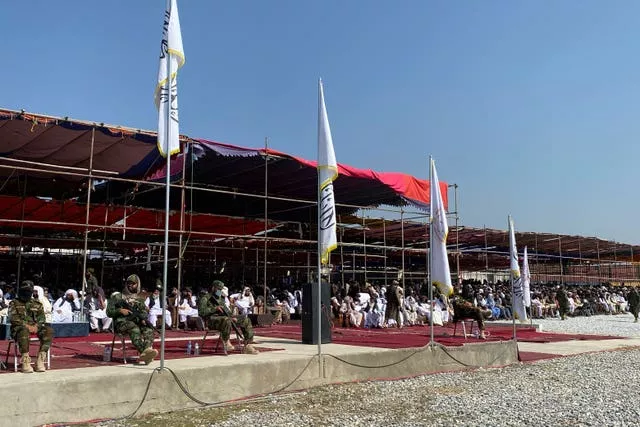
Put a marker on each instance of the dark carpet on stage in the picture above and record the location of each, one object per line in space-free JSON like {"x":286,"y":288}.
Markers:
{"x":418,"y":336}
{"x":77,"y":352}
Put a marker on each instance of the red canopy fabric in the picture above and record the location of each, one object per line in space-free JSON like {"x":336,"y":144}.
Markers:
{"x":410,"y":188}
{"x":70,"y":216}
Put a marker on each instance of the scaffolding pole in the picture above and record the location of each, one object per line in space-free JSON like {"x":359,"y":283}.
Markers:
{"x":86,"y":223}
{"x":183,"y":197}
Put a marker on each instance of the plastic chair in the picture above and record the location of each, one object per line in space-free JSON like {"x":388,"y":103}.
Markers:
{"x":124,"y":346}
{"x":464,"y":328}
{"x":16,"y":355}
{"x":219,"y":343}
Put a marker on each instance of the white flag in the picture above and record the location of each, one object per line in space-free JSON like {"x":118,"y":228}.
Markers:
{"x":526,"y":279}
{"x":327,"y":173}
{"x":171,"y":60}
{"x":440,"y":273}
{"x":518,"y":292}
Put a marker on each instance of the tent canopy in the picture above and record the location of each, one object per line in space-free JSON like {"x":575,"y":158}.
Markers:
{"x":33,"y":144}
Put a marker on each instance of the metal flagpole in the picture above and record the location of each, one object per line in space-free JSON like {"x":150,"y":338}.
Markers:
{"x":513,"y":294}
{"x":165,"y":264}
{"x":318,"y":305}
{"x":319,"y":262}
{"x":430,"y":282}
{"x":266,"y":210}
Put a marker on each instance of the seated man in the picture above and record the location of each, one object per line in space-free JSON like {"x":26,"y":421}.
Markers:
{"x":187,"y":306}
{"x":129,"y":316}
{"x":96,"y":306}
{"x":213,"y":309}
{"x":27,"y":317}
{"x":65,"y":307}
{"x":245,"y":301}
{"x":464,"y":309}
{"x":154,"y":305}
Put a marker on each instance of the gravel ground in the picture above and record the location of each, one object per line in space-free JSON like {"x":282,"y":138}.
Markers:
{"x":598,"y":389}
{"x":617,"y":324}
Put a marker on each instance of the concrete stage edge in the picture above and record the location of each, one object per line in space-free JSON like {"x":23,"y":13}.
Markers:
{"x":69,"y":395}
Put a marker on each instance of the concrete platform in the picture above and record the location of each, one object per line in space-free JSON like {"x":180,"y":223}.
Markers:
{"x":80,"y":394}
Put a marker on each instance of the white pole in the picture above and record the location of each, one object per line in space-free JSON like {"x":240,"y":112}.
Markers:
{"x":165,"y":265}
{"x":318,"y":304}
{"x":430,"y":281}
{"x":513,"y":293}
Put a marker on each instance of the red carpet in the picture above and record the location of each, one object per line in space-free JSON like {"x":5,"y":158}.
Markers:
{"x":418,"y":336}
{"x":81,"y":352}
{"x":77,"y":352}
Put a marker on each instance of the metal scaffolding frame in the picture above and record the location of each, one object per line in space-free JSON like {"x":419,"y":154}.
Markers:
{"x":587,"y":269}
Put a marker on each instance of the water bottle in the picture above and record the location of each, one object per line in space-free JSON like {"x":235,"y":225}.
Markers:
{"x":196,"y":350}
{"x":189,"y":348}
{"x":106,"y":355}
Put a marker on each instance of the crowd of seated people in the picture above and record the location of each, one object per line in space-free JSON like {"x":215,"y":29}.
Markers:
{"x":354,"y":304}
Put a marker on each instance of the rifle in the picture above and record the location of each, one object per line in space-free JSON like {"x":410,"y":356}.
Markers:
{"x":136,"y":314}
{"x":227,"y":313}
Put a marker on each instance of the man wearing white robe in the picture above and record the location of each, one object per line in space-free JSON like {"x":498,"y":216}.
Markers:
{"x":65,"y":306}
{"x":187,"y":306}
{"x":96,"y":306}
{"x":154,"y":304}
{"x":244,"y":301}
{"x":46,"y":305}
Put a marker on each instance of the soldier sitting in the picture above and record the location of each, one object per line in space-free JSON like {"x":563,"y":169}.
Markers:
{"x":27,"y":317}
{"x":463,"y":309}
{"x":213,"y":310}
{"x":130,"y":315}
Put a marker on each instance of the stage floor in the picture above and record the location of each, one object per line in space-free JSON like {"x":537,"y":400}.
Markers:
{"x":81,"y":352}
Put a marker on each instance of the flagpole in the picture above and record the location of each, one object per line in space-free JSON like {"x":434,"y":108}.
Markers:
{"x":318,"y":303}
{"x":430,"y":250}
{"x":513,"y":294}
{"x":165,"y":264}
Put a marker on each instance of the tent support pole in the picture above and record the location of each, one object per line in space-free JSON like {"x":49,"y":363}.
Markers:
{"x":183,"y":198}
{"x":24,"y":201}
{"x":86,"y":223}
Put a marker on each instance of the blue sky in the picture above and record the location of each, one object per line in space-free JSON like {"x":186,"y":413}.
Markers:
{"x":530,"y":107}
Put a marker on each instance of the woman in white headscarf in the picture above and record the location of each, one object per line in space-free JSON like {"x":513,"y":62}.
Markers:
{"x":64,"y":307}
{"x":39,"y":295}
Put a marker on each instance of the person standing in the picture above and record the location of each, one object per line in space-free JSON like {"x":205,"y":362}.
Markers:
{"x":27,"y":317}
{"x":634,"y":303}
{"x":129,"y":316}
{"x":563,"y":303}
{"x":394,"y":298}
{"x":92,"y":281}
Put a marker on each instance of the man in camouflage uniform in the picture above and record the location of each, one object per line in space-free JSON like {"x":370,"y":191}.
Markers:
{"x":27,"y":317}
{"x":213,"y":309}
{"x":634,"y":303}
{"x":130,"y":315}
{"x":463,"y":309}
